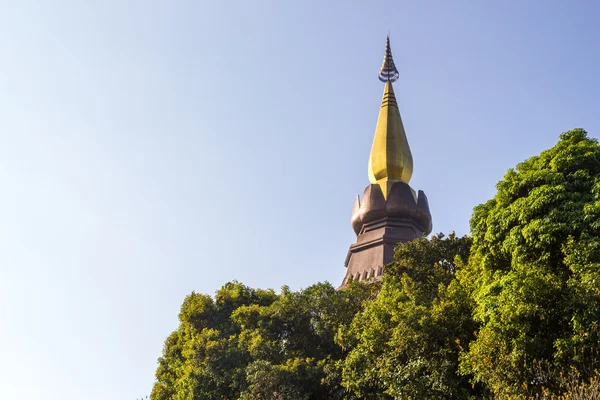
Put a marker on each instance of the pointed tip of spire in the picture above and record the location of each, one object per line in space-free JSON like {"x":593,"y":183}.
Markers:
{"x":388,"y":71}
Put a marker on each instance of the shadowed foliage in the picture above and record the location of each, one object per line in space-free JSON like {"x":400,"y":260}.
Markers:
{"x":406,"y":343}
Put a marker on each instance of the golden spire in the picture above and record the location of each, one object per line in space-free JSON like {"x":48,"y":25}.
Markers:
{"x":390,"y":160}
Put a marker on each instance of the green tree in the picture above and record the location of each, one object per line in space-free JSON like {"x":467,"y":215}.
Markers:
{"x":202,"y":359}
{"x":534,"y":270}
{"x":406,"y":342}
{"x":255,"y":344}
{"x":292,"y":342}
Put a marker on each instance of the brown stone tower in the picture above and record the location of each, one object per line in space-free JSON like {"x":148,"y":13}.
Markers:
{"x":390,"y":211}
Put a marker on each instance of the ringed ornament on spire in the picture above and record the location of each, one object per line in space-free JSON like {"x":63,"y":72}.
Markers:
{"x":388,"y":71}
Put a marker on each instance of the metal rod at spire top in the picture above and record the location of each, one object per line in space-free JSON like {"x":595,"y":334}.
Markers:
{"x":388,"y":71}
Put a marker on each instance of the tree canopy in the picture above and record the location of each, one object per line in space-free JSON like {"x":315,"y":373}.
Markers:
{"x":256,"y":344}
{"x":510,"y":312}
{"x":534,"y":270}
{"x":405,"y":344}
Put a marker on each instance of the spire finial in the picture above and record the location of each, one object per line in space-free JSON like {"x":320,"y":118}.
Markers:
{"x":388,"y":71}
{"x":390,"y":160}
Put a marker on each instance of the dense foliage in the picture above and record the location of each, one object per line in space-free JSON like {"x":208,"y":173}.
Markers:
{"x":534,"y":271}
{"x":405,"y":344}
{"x":510,"y":312}
{"x":255,"y":344}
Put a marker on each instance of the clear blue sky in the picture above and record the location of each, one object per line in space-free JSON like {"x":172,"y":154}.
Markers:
{"x":148,"y":149}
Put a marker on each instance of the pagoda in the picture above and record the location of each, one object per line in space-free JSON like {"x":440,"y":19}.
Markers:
{"x":390,"y":211}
